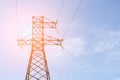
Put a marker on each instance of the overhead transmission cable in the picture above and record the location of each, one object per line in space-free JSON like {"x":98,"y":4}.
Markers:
{"x":67,"y":30}
{"x":17,"y":24}
{"x":102,"y":75}
{"x":80,"y":3}
{"x":71,"y":21}
{"x":61,"y":7}
{"x":80,"y":64}
{"x":70,"y":54}
{"x":92,"y":74}
{"x":60,"y":73}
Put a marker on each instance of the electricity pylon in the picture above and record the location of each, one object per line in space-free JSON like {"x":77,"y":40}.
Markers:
{"x":37,"y":66}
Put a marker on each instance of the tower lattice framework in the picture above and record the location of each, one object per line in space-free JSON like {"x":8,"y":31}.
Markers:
{"x":37,"y":65}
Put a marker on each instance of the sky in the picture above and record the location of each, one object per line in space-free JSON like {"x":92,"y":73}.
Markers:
{"x":91,"y":38}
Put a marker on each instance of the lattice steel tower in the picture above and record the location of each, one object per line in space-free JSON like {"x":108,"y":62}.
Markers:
{"x":37,"y":66}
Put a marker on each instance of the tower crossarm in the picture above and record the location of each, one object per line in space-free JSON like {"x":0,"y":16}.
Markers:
{"x":47,"y":41}
{"x":24,"y":42}
{"x":50,"y":40}
{"x":50,"y":24}
{"x":37,"y":21}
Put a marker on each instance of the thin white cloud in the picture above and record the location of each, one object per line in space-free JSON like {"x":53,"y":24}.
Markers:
{"x":107,"y":40}
{"x":108,"y":43}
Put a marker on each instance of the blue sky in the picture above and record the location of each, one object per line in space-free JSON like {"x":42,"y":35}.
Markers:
{"x":92,"y":41}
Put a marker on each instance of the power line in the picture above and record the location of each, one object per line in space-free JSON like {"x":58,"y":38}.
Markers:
{"x":92,"y":74}
{"x":17,"y":18}
{"x":60,"y":10}
{"x":97,"y":71}
{"x":80,"y":3}
{"x":102,"y":75}
{"x":60,"y":73}
{"x":66,"y":32}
